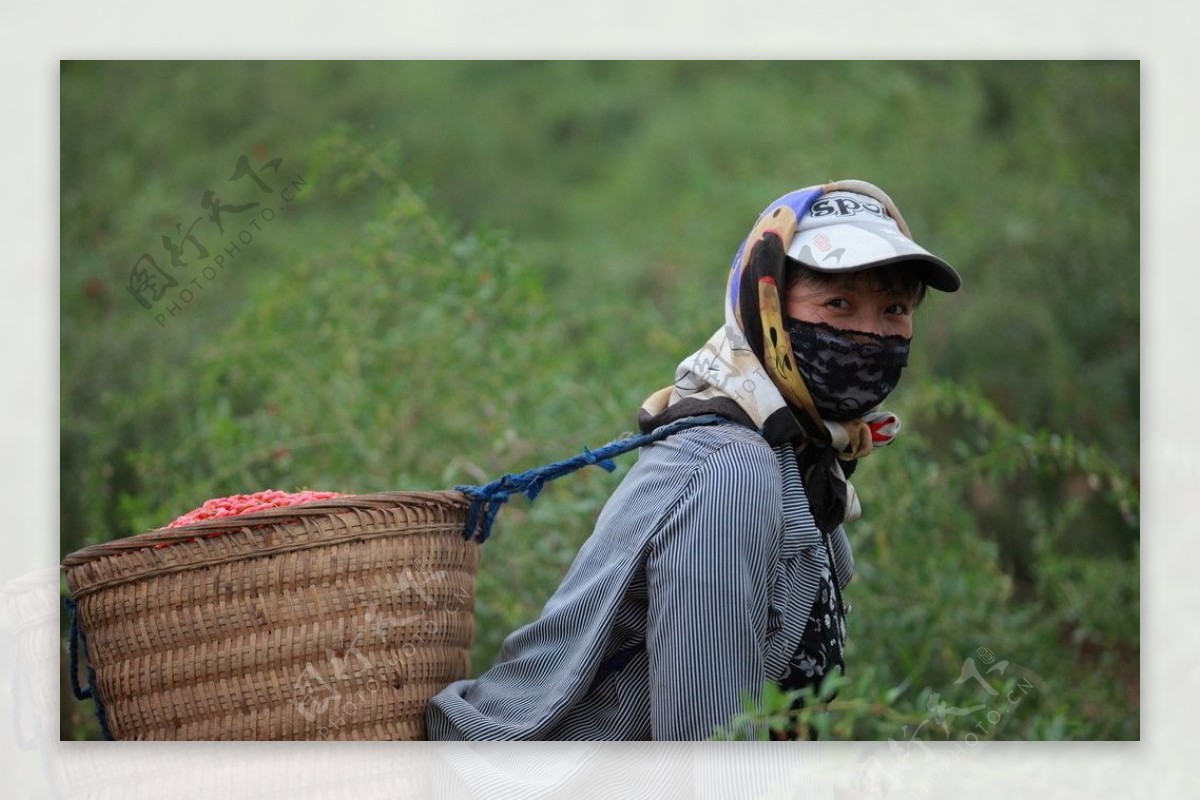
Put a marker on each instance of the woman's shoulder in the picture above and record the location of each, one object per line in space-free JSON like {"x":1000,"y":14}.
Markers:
{"x":727,"y":502}
{"x":722,"y":446}
{"x":702,"y":475}
{"x":714,"y":462}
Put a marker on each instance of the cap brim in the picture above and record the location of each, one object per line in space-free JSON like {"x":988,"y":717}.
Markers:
{"x":844,"y":248}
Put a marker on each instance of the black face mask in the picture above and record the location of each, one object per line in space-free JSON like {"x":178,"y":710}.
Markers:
{"x":848,"y":373}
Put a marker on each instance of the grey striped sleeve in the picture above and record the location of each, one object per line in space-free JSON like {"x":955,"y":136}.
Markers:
{"x":707,"y":590}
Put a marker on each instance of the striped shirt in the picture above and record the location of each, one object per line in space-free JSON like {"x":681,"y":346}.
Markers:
{"x":694,"y":589}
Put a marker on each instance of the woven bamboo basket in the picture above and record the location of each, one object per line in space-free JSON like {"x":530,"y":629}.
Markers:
{"x":337,"y":619}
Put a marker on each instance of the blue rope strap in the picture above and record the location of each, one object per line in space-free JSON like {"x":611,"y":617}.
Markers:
{"x":84,"y":693}
{"x":486,"y":500}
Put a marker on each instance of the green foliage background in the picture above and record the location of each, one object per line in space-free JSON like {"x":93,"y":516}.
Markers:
{"x":486,"y":266}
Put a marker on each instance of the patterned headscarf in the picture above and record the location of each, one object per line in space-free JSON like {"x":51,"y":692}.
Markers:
{"x":747,"y":371}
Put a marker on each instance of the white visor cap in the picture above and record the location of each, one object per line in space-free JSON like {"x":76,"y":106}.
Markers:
{"x":845,"y":232}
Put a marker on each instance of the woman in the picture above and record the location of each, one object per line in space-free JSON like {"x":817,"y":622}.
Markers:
{"x":718,"y":563}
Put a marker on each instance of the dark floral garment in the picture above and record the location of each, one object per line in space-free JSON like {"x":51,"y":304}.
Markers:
{"x":821,"y":646}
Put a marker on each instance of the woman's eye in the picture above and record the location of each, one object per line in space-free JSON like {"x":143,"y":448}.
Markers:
{"x":838,"y":303}
{"x":897,"y":308}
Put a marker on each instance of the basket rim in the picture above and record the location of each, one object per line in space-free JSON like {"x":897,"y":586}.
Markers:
{"x":265,"y":517}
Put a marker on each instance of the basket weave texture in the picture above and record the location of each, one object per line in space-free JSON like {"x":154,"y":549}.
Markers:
{"x":337,"y":619}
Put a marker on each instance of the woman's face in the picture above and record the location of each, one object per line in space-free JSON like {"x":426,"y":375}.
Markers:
{"x":853,"y":302}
